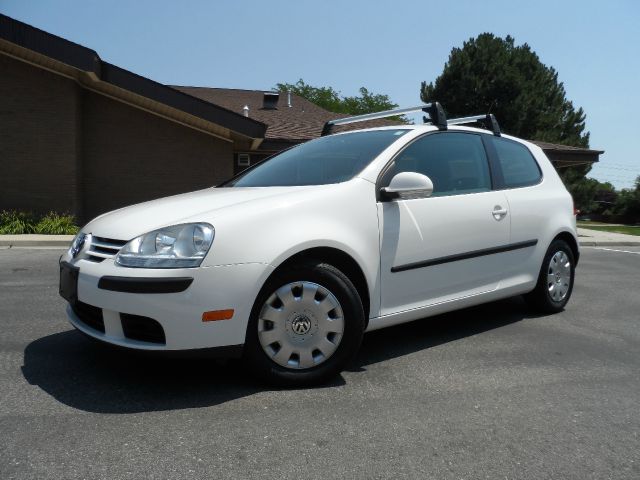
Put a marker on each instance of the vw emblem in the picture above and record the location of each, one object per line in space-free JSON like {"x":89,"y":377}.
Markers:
{"x":301,"y":325}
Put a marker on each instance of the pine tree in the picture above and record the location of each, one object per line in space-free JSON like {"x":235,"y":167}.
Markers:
{"x":492,"y":74}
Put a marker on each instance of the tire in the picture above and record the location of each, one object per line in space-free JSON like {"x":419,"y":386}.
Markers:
{"x":555,"y":281}
{"x":307,"y":323}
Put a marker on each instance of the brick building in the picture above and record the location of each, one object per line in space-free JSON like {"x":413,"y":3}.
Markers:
{"x":80,"y":135}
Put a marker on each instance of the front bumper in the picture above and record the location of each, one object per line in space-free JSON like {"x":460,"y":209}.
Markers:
{"x":178,"y":313}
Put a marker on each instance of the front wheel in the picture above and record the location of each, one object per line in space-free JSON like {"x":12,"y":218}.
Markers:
{"x":306,"y":324}
{"x":555,"y":281}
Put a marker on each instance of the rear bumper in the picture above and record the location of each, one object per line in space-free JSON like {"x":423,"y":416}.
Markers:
{"x":155,"y":310}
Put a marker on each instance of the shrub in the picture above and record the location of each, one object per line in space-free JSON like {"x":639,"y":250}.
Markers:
{"x":55,"y":224}
{"x":13,"y":222}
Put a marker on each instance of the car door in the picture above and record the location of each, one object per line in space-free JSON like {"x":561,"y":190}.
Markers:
{"x":448,"y":245}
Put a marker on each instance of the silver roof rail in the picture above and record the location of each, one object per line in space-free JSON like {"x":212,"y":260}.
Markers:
{"x":436,"y":116}
{"x":434,"y":110}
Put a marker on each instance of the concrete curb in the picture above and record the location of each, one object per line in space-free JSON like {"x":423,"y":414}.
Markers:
{"x":63,"y":241}
{"x":21,"y":241}
{"x":608,"y":243}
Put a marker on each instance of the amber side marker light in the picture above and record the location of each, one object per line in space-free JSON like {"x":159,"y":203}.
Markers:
{"x":217,"y":315}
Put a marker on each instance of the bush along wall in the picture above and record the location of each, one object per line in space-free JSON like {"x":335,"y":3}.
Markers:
{"x":13,"y":222}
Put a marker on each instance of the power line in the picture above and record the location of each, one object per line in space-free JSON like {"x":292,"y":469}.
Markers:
{"x":607,"y":167}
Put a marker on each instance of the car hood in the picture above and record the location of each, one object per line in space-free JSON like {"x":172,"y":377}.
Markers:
{"x":200,"y":206}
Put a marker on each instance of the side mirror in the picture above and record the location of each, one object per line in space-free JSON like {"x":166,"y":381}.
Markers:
{"x":408,"y":185}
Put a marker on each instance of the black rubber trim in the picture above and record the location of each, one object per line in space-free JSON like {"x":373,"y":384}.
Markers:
{"x":464,"y":256}
{"x":145,"y":285}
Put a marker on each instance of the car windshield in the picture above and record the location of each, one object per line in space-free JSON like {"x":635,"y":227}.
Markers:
{"x":322,"y":161}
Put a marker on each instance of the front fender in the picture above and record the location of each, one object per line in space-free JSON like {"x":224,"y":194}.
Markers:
{"x":341,"y":216}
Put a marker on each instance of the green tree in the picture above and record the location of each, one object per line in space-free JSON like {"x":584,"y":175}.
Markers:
{"x":492,"y":74}
{"x":367,"y":102}
{"x":589,"y":195}
{"x":330,"y":99}
{"x":628,"y":202}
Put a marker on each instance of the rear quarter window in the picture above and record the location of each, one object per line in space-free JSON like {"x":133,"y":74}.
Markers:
{"x":519,"y":168}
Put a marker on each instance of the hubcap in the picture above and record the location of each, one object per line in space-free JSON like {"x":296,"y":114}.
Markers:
{"x":300,"y":325}
{"x":559,"y":276}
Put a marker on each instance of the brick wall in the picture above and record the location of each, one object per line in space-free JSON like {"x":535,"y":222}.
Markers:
{"x":68,"y":149}
{"x":131,"y":156}
{"x":38,"y":138}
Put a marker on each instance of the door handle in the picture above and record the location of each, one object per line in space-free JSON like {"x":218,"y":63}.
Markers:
{"x":499,"y":213}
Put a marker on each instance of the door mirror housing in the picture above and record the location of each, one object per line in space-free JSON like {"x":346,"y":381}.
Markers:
{"x":408,"y":185}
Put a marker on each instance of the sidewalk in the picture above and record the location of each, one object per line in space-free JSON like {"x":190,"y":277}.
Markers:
{"x":586,"y":237}
{"x":595,"y":238}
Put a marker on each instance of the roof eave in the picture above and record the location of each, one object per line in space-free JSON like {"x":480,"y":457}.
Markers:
{"x":59,"y":55}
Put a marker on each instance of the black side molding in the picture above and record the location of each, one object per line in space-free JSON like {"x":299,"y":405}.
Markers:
{"x":464,"y":256}
{"x":145,"y":285}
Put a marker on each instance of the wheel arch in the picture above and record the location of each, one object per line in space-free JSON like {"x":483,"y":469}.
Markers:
{"x":572,"y":242}
{"x":342,"y":261}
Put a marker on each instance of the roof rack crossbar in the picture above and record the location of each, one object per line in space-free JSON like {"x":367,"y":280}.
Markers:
{"x":434,"y":110}
{"x":489,"y":121}
{"x":436,"y":116}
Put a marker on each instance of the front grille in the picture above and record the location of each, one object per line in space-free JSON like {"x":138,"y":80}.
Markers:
{"x":89,"y":315}
{"x":102,"y":248}
{"x":144,"y":329}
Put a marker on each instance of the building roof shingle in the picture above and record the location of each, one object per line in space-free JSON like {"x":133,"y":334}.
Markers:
{"x":304,"y":120}
{"x":301,"y":121}
{"x":546,"y":146}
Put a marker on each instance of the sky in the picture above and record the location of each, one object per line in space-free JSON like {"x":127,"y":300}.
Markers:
{"x":387,"y":47}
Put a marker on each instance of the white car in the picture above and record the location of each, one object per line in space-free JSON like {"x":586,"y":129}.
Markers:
{"x":290,"y":262}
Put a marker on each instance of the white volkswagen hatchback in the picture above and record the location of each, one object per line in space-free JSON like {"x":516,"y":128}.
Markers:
{"x":290,"y":262}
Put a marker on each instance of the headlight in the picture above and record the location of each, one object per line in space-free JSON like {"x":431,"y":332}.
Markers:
{"x":178,"y":246}
{"x":77,"y":244}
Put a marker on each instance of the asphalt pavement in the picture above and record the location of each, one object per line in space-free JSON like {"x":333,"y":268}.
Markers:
{"x":489,"y":392}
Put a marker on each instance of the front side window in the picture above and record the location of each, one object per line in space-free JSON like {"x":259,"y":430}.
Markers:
{"x":326,"y":160}
{"x":519,"y":168}
{"x":456,"y":163}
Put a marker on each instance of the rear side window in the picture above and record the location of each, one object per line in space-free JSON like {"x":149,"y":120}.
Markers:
{"x":519,"y":168}
{"x":456,"y":163}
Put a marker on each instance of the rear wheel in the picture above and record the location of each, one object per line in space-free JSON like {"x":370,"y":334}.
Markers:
{"x":306,"y":324}
{"x":555,"y":281}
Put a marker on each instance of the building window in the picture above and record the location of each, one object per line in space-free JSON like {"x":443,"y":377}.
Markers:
{"x":244,"y":160}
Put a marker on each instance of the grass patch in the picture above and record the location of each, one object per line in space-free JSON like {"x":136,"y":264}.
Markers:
{"x":13,"y":222}
{"x":626,"y":229}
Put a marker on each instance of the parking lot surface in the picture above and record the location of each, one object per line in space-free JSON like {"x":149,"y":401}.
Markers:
{"x":488,"y":392}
